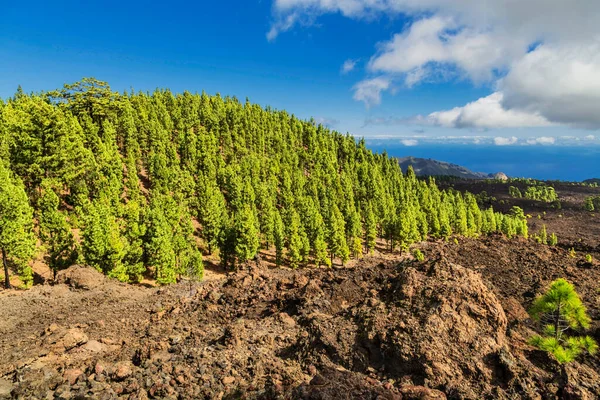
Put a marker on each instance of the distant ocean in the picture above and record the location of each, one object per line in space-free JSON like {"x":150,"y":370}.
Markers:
{"x":566,"y":163}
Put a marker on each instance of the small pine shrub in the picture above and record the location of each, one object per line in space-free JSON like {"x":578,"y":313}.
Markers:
{"x":572,"y":253}
{"x":542,"y":236}
{"x":589,"y":258}
{"x":418,"y":255}
{"x":553,"y":241}
{"x":559,"y":310}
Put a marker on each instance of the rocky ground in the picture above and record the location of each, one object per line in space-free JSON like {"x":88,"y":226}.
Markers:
{"x":388,"y":327}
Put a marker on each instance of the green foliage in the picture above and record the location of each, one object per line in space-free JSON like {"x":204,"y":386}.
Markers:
{"x":592,"y":203}
{"x":337,"y":238}
{"x":558,"y":310}
{"x":542,"y":236}
{"x":211,"y":212}
{"x":589,"y":258}
{"x":102,"y":245}
{"x":246,"y":234}
{"x":17,"y":241}
{"x":541,"y":192}
{"x":553,"y":241}
{"x":418,"y":255}
{"x":514,"y":192}
{"x":55,"y":231}
{"x":146,"y":175}
{"x":572,"y":253}
{"x":279,"y":238}
{"x":294,"y":245}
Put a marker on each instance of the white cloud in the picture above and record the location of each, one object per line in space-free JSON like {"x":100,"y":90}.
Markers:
{"x":590,"y":137}
{"x":409,"y":142}
{"x":435,"y":47}
{"x":542,"y":140}
{"x":505,"y":141}
{"x":561,"y":82}
{"x":557,"y":82}
{"x":369,"y":91}
{"x":486,"y":113}
{"x":328,"y":122}
{"x":348,"y":66}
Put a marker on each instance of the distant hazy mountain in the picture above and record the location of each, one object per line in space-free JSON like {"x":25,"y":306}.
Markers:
{"x":429,"y":167}
{"x":593,"y":180}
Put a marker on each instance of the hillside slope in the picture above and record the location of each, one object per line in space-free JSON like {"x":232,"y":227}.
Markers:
{"x":141,"y":185}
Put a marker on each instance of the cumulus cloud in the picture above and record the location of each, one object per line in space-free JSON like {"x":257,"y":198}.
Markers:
{"x":438,"y":47}
{"x":542,"y":56}
{"x":542,"y":140}
{"x":348,"y":66}
{"x":369,"y":91}
{"x":409,"y":142}
{"x":485,"y":113}
{"x":560,"y":82}
{"x":505,"y":141}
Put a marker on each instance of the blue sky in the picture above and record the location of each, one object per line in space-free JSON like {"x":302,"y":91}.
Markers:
{"x":416,"y":70}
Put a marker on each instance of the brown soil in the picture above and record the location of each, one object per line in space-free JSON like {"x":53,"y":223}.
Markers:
{"x":386,"y":327}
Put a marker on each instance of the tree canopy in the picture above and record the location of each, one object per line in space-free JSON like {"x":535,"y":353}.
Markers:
{"x":152,"y":179}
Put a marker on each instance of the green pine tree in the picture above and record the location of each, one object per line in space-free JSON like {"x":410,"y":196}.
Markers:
{"x":102,"y":245}
{"x":160,"y":251}
{"x":246,"y":234}
{"x":17,"y":242}
{"x":55,"y":231}
{"x":279,"y":239}
{"x":338,"y":246}
{"x":560,"y":309}
{"x":294,"y":240}
{"x":370,"y":230}
{"x":211,"y":212}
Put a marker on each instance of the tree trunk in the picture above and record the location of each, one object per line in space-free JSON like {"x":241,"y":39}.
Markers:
{"x":557,"y":323}
{"x":6,"y":275}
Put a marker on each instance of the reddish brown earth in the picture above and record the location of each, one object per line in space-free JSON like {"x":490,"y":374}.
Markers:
{"x":387,"y":327}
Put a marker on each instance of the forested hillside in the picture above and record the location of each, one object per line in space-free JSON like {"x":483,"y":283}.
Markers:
{"x":138,"y":184}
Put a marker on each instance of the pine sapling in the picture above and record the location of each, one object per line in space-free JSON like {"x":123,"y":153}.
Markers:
{"x":418,"y":255}
{"x":559,"y":310}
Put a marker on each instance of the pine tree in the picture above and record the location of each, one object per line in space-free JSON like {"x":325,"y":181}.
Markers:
{"x":211,"y":212}
{"x":543,"y":235}
{"x":589,"y":204}
{"x":55,"y":231}
{"x":17,"y":242}
{"x":134,"y":234}
{"x":560,"y":309}
{"x":102,"y":245}
{"x":279,"y":239}
{"x":370,"y":230}
{"x":354,"y":232}
{"x":338,"y":246}
{"x":294,"y":240}
{"x":160,"y":251}
{"x":246,"y":234}
{"x":520,"y":221}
